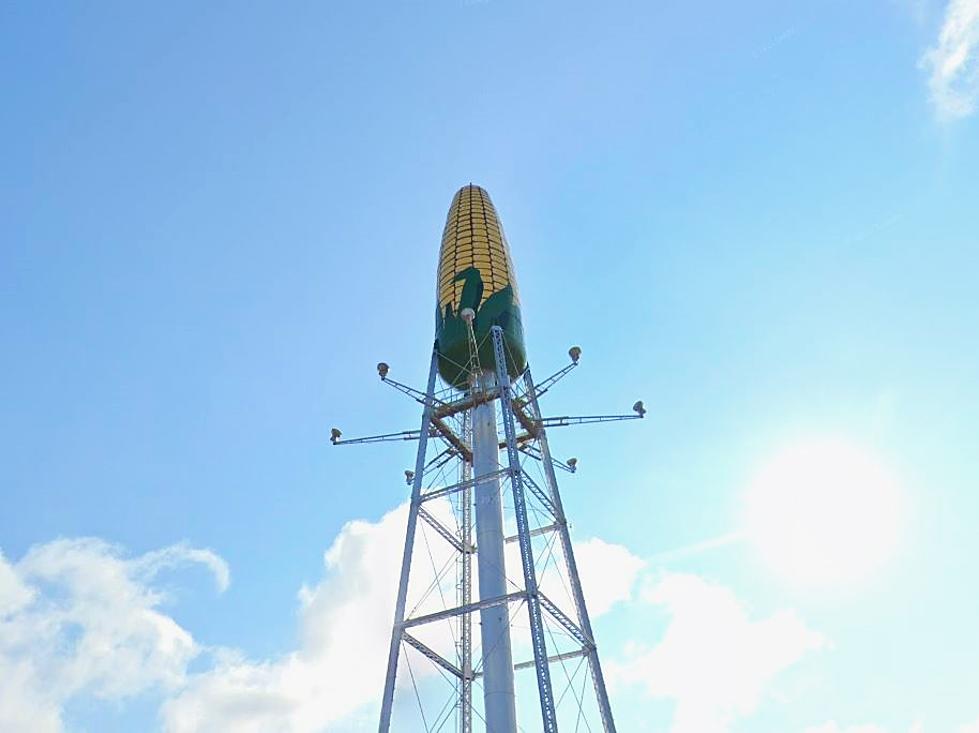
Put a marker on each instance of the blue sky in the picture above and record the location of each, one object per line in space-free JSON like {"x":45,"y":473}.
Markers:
{"x":215,"y":219}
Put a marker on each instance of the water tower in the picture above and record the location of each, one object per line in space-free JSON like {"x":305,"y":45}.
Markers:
{"x":484,"y":488}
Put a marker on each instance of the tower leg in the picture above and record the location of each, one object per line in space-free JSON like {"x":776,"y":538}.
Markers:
{"x":598,"y":679}
{"x":499,"y":700}
{"x":397,"y":632}
{"x":544,"y":687}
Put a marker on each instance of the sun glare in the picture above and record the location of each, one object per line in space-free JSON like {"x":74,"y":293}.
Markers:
{"x":824,"y":512}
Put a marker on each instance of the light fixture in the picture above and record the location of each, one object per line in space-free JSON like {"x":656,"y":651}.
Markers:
{"x":575,"y":353}
{"x":382,"y":369}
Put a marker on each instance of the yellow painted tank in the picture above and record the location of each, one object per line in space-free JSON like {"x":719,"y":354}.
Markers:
{"x":476,"y":272}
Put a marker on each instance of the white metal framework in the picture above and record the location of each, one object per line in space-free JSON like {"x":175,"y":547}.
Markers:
{"x":492,"y":472}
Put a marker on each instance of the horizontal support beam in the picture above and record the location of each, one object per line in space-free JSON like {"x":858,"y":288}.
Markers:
{"x":454,"y":488}
{"x":454,"y":408}
{"x":468,"y":608}
{"x":522,"y":439}
{"x":437,"y":428}
{"x":403,"y":435}
{"x":535,"y":532}
{"x":560,"y":422}
{"x":552,"y":659}
{"x":441,"y":429}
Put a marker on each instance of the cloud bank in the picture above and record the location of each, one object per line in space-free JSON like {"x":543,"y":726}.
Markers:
{"x":80,"y":620}
{"x":714,"y":661}
{"x":77,"y":618}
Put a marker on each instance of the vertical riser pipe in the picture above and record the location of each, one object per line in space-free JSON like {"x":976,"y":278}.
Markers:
{"x":498,"y":689}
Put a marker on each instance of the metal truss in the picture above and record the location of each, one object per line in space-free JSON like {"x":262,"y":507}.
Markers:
{"x":538,"y":640}
{"x":442,"y":498}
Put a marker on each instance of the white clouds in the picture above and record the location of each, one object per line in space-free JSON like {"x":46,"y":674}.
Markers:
{"x":338,"y":667}
{"x":78,"y":618}
{"x":954,"y":61}
{"x":608,"y":573}
{"x":180,"y":554}
{"x":14,"y":593}
{"x":714,"y":661}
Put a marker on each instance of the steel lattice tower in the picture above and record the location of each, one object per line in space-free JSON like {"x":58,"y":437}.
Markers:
{"x":484,"y":486}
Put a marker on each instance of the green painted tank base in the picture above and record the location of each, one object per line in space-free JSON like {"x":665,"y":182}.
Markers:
{"x":451,"y":332}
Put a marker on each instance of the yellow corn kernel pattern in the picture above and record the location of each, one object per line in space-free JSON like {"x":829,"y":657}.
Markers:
{"x":473,"y":237}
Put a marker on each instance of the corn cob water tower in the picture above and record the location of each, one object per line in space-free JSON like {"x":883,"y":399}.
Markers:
{"x":484,"y":487}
